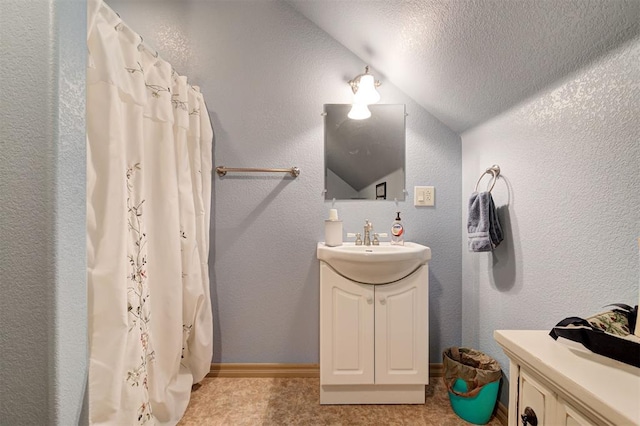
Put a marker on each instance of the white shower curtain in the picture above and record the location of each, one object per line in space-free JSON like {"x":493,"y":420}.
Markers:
{"x":148,"y":205}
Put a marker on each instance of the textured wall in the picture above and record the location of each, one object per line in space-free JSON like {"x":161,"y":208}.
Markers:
{"x":569,"y":200}
{"x":42,"y":178}
{"x":266,"y":72}
{"x":70,"y":321}
{"x":27,"y":171}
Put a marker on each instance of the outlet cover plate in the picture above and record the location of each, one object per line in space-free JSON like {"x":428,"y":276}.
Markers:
{"x":424,"y":196}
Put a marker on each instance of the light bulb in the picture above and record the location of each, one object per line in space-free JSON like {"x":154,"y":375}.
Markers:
{"x":367,"y":93}
{"x":359,"y":112}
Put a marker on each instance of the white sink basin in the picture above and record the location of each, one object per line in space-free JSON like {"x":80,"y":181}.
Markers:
{"x":374,"y":264}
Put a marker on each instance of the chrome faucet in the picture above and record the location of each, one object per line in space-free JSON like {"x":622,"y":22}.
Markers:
{"x":368,"y":227}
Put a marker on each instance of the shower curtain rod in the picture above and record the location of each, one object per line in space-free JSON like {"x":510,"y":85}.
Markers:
{"x":153,"y":52}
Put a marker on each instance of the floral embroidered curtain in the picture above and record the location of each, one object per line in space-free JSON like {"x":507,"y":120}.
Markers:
{"x":149,"y":161}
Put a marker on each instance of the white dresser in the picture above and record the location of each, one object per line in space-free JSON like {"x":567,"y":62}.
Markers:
{"x":564,"y":384}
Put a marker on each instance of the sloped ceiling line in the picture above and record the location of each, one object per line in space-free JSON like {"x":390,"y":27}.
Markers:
{"x":467,"y":61}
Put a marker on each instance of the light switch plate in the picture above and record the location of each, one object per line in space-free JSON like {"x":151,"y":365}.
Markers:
{"x":424,"y":196}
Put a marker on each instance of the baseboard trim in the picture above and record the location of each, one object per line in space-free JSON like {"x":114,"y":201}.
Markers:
{"x":502,"y":414}
{"x":283,"y":370}
{"x":264,"y":370}
{"x":436,"y":370}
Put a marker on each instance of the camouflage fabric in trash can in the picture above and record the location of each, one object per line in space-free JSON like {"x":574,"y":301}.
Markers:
{"x":470,"y":365}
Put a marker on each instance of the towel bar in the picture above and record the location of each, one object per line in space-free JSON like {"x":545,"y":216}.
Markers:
{"x":222,"y":170}
{"x":495,"y":171}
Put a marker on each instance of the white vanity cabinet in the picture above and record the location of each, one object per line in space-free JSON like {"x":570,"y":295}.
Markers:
{"x":563,"y":384}
{"x":373,"y":339}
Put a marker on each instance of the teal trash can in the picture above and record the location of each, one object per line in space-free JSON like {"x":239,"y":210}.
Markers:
{"x":472,"y":379}
{"x":475,"y":409}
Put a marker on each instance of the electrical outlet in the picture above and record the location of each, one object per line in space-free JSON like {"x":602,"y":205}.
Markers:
{"x":424,"y":196}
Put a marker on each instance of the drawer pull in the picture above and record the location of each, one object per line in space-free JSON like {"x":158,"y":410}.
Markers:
{"x":529,"y":417}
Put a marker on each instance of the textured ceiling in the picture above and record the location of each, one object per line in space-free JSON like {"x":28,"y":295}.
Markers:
{"x":466,"y":61}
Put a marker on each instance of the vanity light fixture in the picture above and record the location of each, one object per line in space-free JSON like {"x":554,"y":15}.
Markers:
{"x":364,"y":93}
{"x":364,"y":88}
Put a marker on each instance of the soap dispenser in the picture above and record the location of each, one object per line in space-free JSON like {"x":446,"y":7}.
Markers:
{"x":397,"y":231}
{"x":333,"y":229}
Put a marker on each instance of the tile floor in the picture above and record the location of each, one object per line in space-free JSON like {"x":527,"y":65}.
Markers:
{"x":295,"y":401}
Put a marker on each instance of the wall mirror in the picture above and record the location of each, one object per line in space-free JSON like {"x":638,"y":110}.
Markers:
{"x":364,"y":159}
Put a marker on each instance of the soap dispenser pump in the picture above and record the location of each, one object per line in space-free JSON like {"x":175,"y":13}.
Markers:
{"x":397,"y":231}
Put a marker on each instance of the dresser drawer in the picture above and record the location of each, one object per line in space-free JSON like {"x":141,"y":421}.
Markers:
{"x":534,"y":397}
{"x":569,"y":416}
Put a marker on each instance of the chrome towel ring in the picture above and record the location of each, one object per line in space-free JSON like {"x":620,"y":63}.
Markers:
{"x":493,"y":170}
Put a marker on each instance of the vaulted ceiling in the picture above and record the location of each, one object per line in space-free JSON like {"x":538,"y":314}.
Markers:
{"x":466,"y":61}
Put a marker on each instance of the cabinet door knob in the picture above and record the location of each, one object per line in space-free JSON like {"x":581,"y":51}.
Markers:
{"x":383,"y":300}
{"x":369,"y":300}
{"x":529,"y":417}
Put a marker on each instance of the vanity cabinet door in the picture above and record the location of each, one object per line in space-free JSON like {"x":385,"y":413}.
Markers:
{"x":538,"y":398}
{"x":401,"y":324}
{"x":346,"y":330}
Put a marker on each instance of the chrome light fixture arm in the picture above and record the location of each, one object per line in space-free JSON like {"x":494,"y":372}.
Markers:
{"x":355,"y":82}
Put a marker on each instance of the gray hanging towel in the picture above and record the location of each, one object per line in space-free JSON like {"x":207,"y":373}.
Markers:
{"x":483,"y":226}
